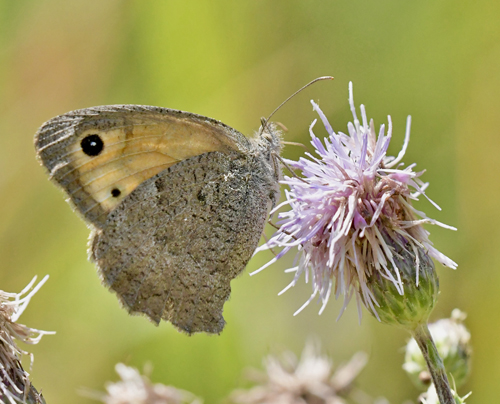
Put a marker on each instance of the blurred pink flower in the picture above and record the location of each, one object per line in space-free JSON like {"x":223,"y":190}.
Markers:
{"x":310,"y":380}
{"x":135,"y":388}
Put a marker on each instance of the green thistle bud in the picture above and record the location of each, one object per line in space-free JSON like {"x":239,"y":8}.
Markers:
{"x":420,"y":284}
{"x":452,"y":341}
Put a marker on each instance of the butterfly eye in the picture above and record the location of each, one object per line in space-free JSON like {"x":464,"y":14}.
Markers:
{"x":92,"y":145}
{"x":115,"y":192}
{"x":266,"y":136}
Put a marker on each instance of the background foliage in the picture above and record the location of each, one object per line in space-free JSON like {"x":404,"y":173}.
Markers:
{"x":236,"y":61}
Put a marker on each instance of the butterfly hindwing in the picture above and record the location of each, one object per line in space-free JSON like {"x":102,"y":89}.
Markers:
{"x":171,"y":249}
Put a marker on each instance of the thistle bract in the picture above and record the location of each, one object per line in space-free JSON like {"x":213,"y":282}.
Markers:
{"x":349,"y":198}
{"x":412,"y":308}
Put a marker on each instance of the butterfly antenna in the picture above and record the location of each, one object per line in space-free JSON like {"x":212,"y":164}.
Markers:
{"x":265,"y":121}
{"x":296,"y":144}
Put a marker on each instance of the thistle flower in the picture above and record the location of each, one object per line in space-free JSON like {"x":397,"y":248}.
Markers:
{"x":313,"y":379}
{"x":452,"y":341}
{"x":15,"y":386}
{"x":350,"y":212}
{"x":135,"y":388}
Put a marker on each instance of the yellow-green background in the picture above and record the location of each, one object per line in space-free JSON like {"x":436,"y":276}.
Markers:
{"x":236,"y":61}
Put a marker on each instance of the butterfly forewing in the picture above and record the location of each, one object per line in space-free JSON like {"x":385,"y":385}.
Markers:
{"x":100,"y":155}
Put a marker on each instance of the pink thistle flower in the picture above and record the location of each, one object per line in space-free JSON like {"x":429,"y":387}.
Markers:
{"x":134,"y":388}
{"x":349,"y":209}
{"x":310,"y":379}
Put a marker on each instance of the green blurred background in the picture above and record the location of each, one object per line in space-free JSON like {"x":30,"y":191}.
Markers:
{"x":236,"y":61}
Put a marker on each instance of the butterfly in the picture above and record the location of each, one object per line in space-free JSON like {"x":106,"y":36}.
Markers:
{"x":176,"y":203}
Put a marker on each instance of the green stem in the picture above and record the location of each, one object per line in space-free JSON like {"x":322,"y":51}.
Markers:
{"x":434,"y":363}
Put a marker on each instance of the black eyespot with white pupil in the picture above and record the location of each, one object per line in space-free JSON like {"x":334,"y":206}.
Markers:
{"x":115,"y":192}
{"x":92,"y":145}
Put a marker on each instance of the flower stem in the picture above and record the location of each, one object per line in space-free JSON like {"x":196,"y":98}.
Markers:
{"x":434,"y":363}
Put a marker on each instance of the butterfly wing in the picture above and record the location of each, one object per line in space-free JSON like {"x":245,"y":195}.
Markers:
{"x":100,"y":155}
{"x":171,"y":248}
{"x":177,"y":203}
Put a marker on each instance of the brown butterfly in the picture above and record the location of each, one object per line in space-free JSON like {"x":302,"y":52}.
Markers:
{"x":176,"y":203}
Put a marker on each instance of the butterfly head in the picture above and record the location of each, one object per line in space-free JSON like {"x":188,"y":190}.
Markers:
{"x":269,"y":139}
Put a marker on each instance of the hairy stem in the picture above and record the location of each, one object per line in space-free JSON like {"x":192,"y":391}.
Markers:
{"x":434,"y":363}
